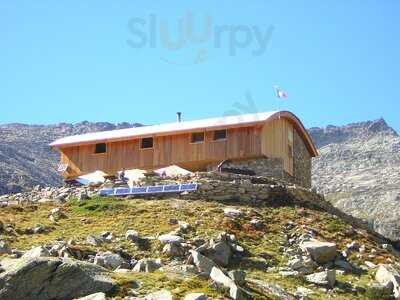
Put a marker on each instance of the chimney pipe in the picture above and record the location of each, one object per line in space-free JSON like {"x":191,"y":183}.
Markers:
{"x":178,"y":116}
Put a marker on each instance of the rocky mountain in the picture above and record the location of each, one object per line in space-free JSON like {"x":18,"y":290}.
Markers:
{"x":26,"y":159}
{"x":358,"y":170}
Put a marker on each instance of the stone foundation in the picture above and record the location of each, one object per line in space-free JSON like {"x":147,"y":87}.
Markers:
{"x":266,"y":167}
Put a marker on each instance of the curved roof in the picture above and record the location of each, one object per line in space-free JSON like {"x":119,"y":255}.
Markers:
{"x":187,"y":126}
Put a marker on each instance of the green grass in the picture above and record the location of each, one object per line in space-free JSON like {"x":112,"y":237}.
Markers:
{"x":150,"y":282}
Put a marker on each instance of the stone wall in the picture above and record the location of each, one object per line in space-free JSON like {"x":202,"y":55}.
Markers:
{"x":267,"y":167}
{"x":301,"y":162}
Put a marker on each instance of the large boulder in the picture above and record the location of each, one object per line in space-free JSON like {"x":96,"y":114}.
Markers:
{"x":49,"y":278}
{"x":321,"y":252}
{"x":389,"y":277}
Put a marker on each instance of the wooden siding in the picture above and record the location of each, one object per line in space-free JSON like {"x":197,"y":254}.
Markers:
{"x":244,"y":142}
{"x":276,"y":142}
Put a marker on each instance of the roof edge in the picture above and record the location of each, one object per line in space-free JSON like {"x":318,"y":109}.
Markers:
{"x":312,"y":149}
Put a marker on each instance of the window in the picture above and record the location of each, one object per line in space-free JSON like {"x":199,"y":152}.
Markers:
{"x":197,"y":137}
{"x":146,"y":143}
{"x":219,"y":135}
{"x":100,"y":148}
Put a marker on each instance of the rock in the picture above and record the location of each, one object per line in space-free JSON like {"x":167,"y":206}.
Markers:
{"x":132,"y":235}
{"x":238,"y":249}
{"x":288,"y":273}
{"x":93,"y":240}
{"x":36,"y":252}
{"x":39,"y":229}
{"x":303,"y":265}
{"x":147,"y":265}
{"x":324,"y":278}
{"x":4,"y":248}
{"x":238,"y":276}
{"x":83,"y":196}
{"x":256,"y":223}
{"x":203,"y":264}
{"x":95,"y":296}
{"x":121,"y":270}
{"x":106,"y":236}
{"x":232,"y":212}
{"x":183,"y":226}
{"x":370,"y":264}
{"x":170,"y":238}
{"x":160,"y":295}
{"x":344,"y":265}
{"x":388,"y":276}
{"x":219,"y":252}
{"x":62,"y":196}
{"x":272,"y":288}
{"x":49,"y":278}
{"x":321,"y":252}
{"x":353,"y":246}
{"x":173,"y":221}
{"x":303,"y":293}
{"x":237,"y":293}
{"x":173,"y":250}
{"x":220,"y":278}
{"x":56,"y":214}
{"x":109,"y":260}
{"x":186,"y":269}
{"x":195,"y":296}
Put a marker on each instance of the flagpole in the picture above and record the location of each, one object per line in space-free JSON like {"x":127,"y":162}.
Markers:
{"x":276,"y":88}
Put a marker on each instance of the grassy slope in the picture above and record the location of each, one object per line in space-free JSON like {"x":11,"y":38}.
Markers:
{"x":150,"y":218}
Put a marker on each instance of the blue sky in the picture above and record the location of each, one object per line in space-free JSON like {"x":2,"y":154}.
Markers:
{"x":68,"y":61}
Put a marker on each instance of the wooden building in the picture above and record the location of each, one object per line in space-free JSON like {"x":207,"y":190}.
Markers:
{"x":193,"y":145}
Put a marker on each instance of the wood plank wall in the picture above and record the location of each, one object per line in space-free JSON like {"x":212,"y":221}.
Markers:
{"x":276,"y":141}
{"x":176,"y":149}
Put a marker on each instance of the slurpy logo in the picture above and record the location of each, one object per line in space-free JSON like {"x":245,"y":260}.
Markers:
{"x":183,"y":33}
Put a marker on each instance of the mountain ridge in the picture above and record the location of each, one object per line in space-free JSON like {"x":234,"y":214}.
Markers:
{"x":26,"y":159}
{"x":358,"y":172}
